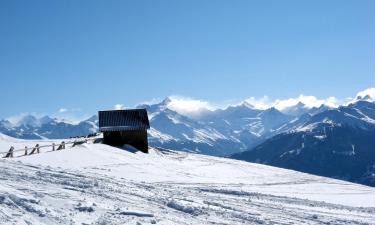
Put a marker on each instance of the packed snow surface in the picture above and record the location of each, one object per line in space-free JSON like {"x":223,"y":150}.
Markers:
{"x":99,"y":184}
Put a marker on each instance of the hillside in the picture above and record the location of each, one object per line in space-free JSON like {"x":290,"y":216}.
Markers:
{"x":336,"y":143}
{"x":98,"y":184}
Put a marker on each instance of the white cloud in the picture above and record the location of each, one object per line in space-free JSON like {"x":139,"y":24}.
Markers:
{"x":70,"y":115}
{"x":260,"y":103}
{"x":370,"y":92}
{"x":309,"y":101}
{"x":119,"y":106}
{"x":189,"y":106}
{"x":151,"y":102}
{"x":62,"y":110}
{"x":193,"y":107}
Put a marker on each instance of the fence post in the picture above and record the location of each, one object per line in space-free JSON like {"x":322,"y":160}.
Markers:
{"x":11,"y":152}
{"x":61,"y":146}
{"x":26,"y":150}
{"x":36,"y":148}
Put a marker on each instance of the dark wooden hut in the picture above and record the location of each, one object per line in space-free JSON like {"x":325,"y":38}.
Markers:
{"x":121,"y":127}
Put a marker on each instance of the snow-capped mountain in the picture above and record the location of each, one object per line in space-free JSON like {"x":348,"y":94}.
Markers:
{"x":300,"y":109}
{"x":218,"y":132}
{"x":366,"y":95}
{"x":99,"y":184}
{"x":296,"y":110}
{"x":213,"y":132}
{"x":172,"y":130}
{"x":31,"y":127}
{"x":5,"y":124}
{"x":29,"y":121}
{"x":336,"y":143}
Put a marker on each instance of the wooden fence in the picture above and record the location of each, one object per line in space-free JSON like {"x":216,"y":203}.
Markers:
{"x":26,"y":151}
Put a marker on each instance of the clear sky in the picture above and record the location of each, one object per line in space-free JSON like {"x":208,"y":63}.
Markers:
{"x":90,"y":55}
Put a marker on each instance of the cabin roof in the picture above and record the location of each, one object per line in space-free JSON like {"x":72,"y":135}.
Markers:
{"x":123,"y":120}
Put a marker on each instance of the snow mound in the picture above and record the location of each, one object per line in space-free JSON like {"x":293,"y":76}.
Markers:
{"x":99,"y":184}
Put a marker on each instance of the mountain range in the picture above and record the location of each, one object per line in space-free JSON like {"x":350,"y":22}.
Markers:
{"x":30,"y":127}
{"x":336,"y":143}
{"x":333,"y":142}
{"x":218,"y":132}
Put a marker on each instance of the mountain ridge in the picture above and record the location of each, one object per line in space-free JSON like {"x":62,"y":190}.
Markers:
{"x":335,"y":143}
{"x":226,"y":131}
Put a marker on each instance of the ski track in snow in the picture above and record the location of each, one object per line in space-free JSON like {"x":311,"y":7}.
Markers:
{"x":34,"y":192}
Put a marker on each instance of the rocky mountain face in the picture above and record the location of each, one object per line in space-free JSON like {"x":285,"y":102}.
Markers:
{"x":337,"y":143}
{"x":219,"y":132}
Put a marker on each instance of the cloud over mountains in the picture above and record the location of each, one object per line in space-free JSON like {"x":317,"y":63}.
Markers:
{"x":192,"y":107}
{"x":189,"y":106}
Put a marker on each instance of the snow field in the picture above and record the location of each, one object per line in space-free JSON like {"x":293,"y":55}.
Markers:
{"x":98,"y":184}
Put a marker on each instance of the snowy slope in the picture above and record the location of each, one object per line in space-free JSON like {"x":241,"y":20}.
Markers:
{"x":335,"y":143}
{"x":219,"y":132}
{"x":98,"y":184}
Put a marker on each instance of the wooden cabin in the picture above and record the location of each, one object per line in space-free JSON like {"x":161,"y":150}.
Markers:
{"x":120,"y":127}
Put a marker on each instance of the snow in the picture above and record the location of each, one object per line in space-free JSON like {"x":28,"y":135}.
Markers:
{"x":99,"y":184}
{"x":174,"y":119}
{"x":365,"y":117}
{"x":293,"y":152}
{"x":307,"y":128}
{"x":152,"y":115}
{"x":353,"y":150}
{"x":160,"y":136}
{"x":320,"y":137}
{"x":368,"y":95}
{"x":203,"y":136}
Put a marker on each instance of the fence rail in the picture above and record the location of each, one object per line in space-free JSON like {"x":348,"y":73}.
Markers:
{"x":52,"y":145}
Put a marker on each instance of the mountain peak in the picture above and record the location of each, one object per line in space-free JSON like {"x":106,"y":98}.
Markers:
{"x":28,"y":120}
{"x":272,"y":110}
{"x":45,"y":120}
{"x":247,"y":105}
{"x":364,"y":98}
{"x":296,"y":110}
{"x":300,"y":105}
{"x":166,"y":101}
{"x":6,"y":123}
{"x":93,"y":118}
{"x":366,"y":95}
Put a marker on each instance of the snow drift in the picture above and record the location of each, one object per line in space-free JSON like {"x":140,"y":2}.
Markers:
{"x":99,"y":184}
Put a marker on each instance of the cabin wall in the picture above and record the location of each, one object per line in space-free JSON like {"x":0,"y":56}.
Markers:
{"x":135,"y":138}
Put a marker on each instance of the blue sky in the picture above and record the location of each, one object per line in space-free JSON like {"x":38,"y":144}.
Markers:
{"x":90,"y":55}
